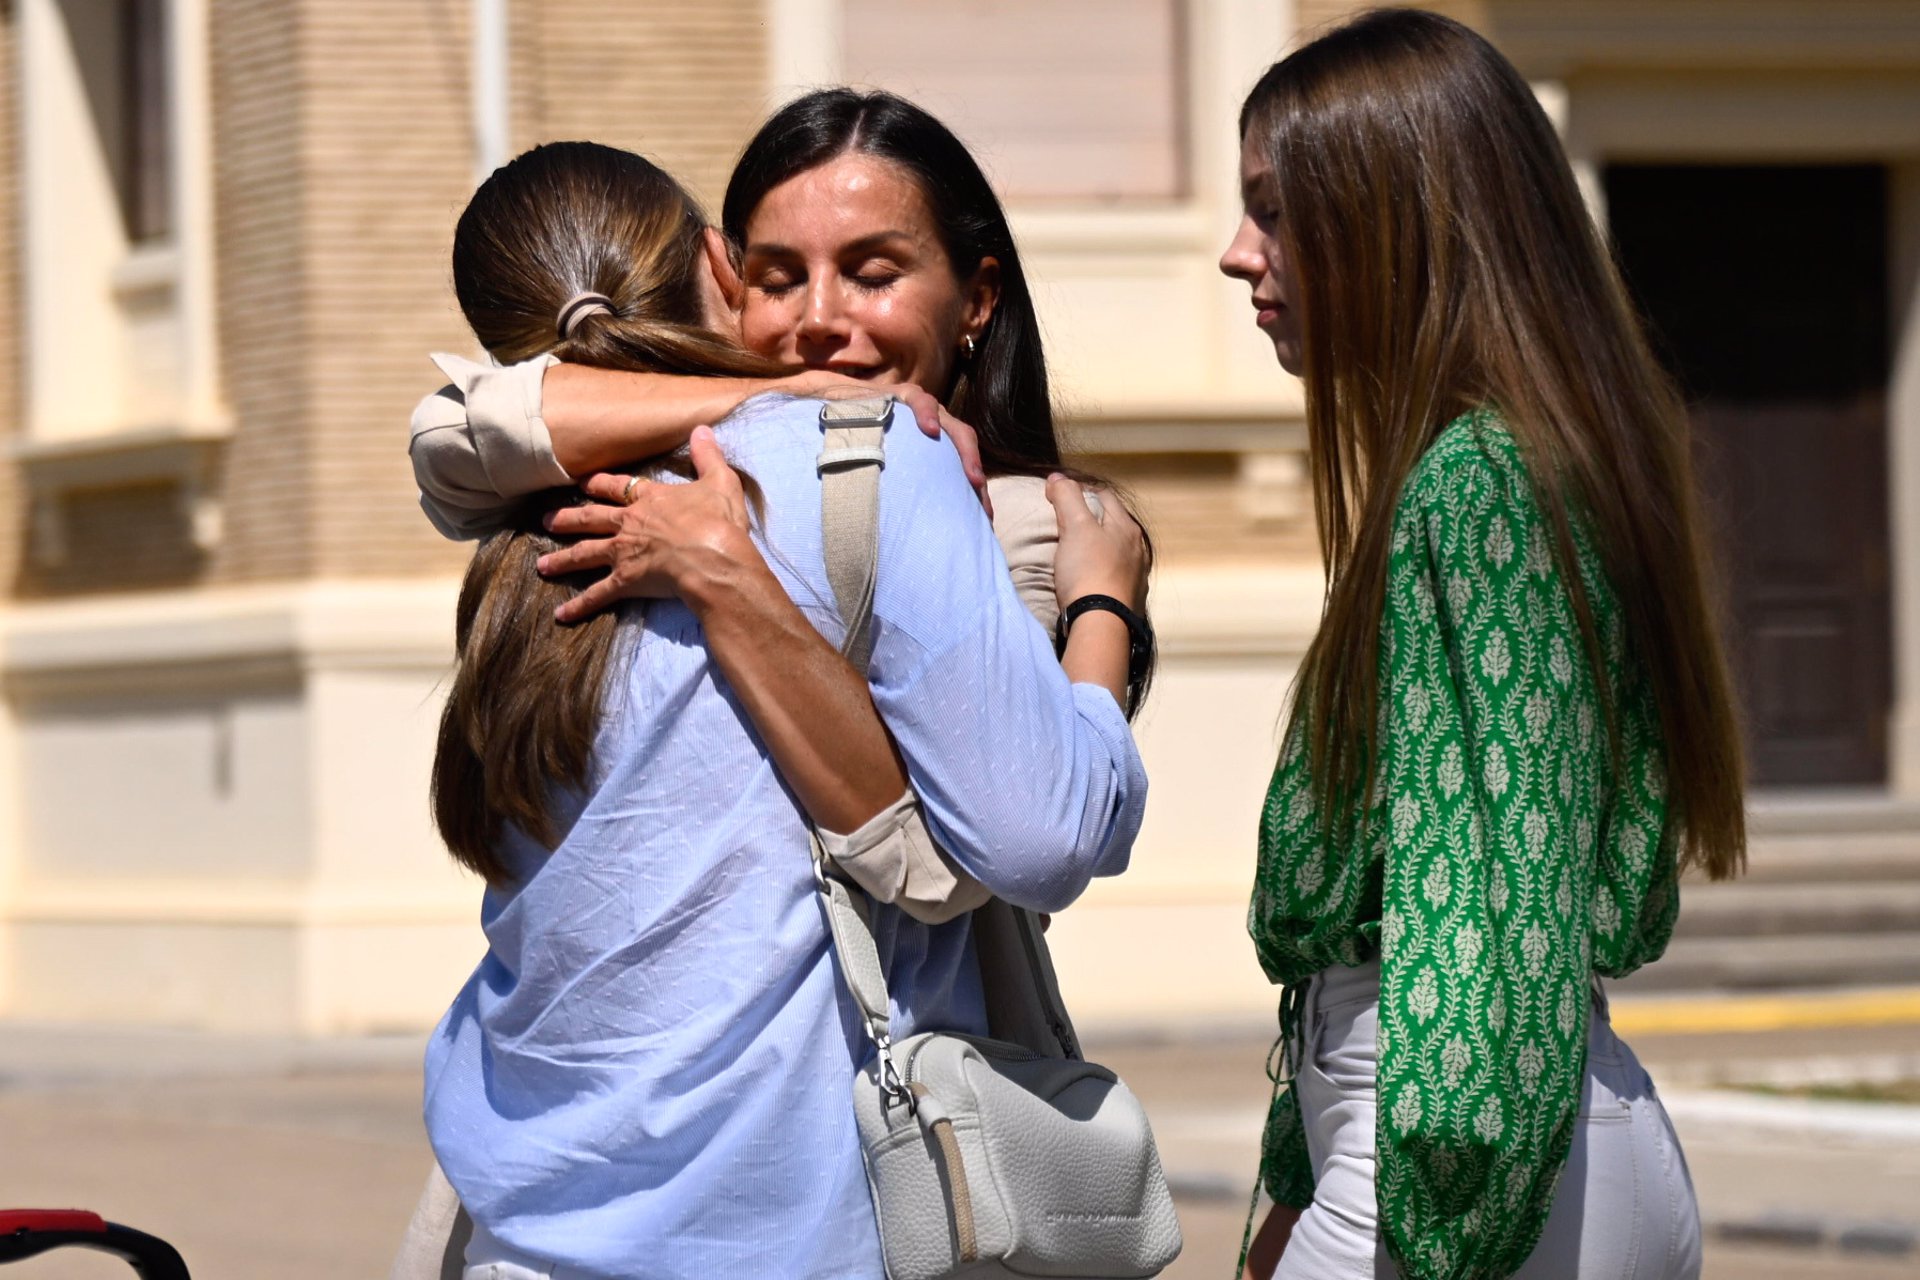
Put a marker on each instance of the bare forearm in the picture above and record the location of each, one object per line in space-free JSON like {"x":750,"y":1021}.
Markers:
{"x":1263,"y":1254}
{"x":600,"y":418}
{"x":1097,"y":649}
{"x":810,"y":706}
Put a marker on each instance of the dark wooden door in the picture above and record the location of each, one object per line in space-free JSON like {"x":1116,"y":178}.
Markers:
{"x":1766,"y":291}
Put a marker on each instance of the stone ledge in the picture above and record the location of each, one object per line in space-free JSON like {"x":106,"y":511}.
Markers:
{"x":103,"y":642}
{"x":1236,"y":610}
{"x":190,"y":456}
{"x":1826,"y":813}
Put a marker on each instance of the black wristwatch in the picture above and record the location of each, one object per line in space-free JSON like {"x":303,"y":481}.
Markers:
{"x":1139,"y":639}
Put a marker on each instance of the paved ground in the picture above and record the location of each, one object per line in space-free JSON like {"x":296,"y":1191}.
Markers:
{"x":301,"y":1161}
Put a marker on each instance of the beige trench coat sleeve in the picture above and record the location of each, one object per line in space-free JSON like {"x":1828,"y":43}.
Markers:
{"x":479,"y":445}
{"x":1029,"y":533}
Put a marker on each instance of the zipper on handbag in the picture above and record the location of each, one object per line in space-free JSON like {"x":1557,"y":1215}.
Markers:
{"x":1056,"y":1017}
{"x":988,"y":1047}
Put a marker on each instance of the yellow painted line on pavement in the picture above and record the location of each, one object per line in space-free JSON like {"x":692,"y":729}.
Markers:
{"x":1701,"y":1015}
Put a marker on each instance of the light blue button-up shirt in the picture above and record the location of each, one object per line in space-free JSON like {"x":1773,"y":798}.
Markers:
{"x":650,"y":1072}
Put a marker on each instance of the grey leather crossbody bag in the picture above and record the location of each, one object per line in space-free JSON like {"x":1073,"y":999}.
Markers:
{"x":985,"y":1156}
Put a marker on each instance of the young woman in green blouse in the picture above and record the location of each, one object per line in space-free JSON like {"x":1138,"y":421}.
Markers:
{"x":1514,"y":729}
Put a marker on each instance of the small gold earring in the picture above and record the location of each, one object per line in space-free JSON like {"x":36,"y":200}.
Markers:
{"x":967,"y":344}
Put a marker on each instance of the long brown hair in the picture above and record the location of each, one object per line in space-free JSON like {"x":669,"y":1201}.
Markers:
{"x":563,"y":219}
{"x":1446,"y":261}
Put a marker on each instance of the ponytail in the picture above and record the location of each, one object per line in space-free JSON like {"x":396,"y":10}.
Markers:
{"x":564,"y":221}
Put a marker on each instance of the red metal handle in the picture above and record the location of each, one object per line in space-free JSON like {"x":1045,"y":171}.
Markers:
{"x":12,"y":1220}
{"x":27,"y":1233}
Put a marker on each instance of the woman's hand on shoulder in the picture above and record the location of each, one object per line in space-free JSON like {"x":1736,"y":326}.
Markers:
{"x":1102,"y":551}
{"x":655,"y":540}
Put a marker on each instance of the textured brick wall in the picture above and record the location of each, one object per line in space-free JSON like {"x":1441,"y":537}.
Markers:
{"x":1310,"y":15}
{"x":385,"y":161}
{"x":387,"y":155}
{"x":262,"y":287}
{"x":681,"y":81}
{"x":342,"y":156}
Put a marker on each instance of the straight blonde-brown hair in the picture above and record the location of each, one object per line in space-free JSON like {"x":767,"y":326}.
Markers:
{"x":1446,"y":261}
{"x":524,"y":707}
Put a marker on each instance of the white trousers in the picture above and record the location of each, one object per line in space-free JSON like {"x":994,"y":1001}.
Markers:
{"x":1625,"y":1208}
{"x":442,"y":1243}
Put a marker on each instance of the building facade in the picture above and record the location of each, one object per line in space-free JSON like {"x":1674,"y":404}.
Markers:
{"x":224,"y":228}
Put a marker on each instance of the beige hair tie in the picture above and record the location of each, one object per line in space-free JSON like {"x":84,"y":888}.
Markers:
{"x":579,"y":307}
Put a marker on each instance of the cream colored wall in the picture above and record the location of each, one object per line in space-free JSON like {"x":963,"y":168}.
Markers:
{"x":11,"y":269}
{"x":1166,"y":944}
{"x":226,"y":821}
{"x":123,"y":332}
{"x":76,"y":386}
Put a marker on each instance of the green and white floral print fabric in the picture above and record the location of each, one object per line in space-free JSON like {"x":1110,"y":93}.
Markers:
{"x":1503,"y":861}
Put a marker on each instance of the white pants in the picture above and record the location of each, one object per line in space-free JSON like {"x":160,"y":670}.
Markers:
{"x":489,"y":1259}
{"x":442,"y":1243}
{"x":1625,"y":1208}
{"x":503,"y":1271}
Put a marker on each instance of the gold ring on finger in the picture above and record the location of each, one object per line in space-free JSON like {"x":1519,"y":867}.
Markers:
{"x":626,"y":494}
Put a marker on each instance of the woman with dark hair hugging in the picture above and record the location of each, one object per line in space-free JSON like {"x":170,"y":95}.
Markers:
{"x":648,"y":1074}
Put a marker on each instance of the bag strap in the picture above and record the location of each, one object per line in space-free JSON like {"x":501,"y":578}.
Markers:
{"x":852,"y":454}
{"x":854,"y":450}
{"x":858,"y":957}
{"x":851,"y":457}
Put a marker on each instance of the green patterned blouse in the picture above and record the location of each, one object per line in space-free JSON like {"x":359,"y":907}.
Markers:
{"x":1502,"y":863}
